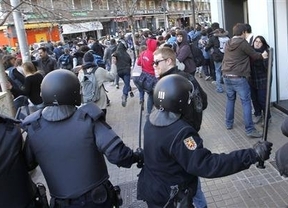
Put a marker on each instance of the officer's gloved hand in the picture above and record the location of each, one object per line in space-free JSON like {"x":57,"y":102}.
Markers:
{"x":139,"y":157}
{"x":263,"y":150}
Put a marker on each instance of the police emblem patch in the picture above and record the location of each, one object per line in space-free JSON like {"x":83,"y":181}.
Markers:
{"x":190,"y":143}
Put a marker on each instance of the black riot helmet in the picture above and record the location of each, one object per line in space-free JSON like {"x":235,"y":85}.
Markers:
{"x":173,"y":93}
{"x":61,"y":87}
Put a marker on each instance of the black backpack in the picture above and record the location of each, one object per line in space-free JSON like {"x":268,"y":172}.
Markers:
{"x":197,"y":55}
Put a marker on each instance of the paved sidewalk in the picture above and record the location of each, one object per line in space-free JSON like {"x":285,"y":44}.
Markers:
{"x":250,"y":188}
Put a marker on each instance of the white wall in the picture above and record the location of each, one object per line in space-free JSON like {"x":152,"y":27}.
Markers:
{"x":282,"y":47}
{"x":217,"y":12}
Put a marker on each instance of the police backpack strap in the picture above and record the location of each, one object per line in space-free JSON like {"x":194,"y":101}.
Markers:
{"x":92,"y":110}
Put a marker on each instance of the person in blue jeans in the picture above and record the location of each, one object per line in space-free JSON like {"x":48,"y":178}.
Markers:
{"x":236,"y":71}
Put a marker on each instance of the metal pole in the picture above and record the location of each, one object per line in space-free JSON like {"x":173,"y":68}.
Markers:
{"x":193,"y":11}
{"x":20,"y":31}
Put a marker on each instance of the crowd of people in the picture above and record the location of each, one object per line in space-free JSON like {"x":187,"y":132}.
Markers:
{"x":72,"y":159}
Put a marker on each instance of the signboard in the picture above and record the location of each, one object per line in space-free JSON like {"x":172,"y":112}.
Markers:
{"x":81,"y":27}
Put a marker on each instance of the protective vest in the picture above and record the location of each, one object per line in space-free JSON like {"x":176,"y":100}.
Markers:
{"x":67,"y":153}
{"x":159,"y":160}
{"x":16,"y":187}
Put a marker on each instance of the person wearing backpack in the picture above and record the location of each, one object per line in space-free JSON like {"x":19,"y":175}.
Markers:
{"x":92,"y":80}
{"x":217,"y":43}
{"x":65,"y":61}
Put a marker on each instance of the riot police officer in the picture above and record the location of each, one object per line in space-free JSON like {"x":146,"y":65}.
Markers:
{"x":16,"y":187}
{"x":174,"y":154}
{"x":69,"y":144}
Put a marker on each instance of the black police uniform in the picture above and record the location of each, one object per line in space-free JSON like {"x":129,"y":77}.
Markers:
{"x":70,"y":154}
{"x":16,"y":187}
{"x":174,"y":155}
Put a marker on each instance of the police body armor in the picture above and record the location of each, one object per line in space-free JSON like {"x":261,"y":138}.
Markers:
{"x":16,"y":187}
{"x":65,"y":139}
{"x":159,"y":191}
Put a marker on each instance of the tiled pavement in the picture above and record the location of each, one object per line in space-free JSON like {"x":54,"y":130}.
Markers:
{"x":250,"y":188}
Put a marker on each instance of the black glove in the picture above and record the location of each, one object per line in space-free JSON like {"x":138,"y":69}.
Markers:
{"x":139,"y":157}
{"x":263,"y":150}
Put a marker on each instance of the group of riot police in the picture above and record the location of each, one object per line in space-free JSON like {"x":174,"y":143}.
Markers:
{"x":69,"y":142}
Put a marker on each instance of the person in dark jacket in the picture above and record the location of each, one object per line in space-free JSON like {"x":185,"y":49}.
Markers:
{"x":258,"y":80}
{"x":236,"y":71}
{"x":72,"y":159}
{"x":281,"y":156}
{"x":45,"y":63}
{"x":31,"y":88}
{"x":16,"y":187}
{"x":174,"y":154}
{"x":183,"y":52}
{"x":123,"y":63}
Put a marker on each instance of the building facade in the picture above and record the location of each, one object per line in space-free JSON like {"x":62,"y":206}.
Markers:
{"x":49,"y":19}
{"x":268,"y":18}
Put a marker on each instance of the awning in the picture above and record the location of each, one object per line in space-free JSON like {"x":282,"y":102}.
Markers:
{"x":81,"y":27}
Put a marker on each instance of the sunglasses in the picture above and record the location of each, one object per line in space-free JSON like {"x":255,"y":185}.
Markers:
{"x":158,"y":61}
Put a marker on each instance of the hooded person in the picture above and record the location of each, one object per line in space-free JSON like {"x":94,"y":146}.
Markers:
{"x":183,"y":52}
{"x":124,"y":63}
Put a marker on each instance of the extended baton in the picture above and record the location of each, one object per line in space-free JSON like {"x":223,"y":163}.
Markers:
{"x":267,"y":104}
{"x":140,"y":123}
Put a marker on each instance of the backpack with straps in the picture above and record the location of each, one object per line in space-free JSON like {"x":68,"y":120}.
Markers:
{"x":89,"y":87}
{"x":64,"y":60}
{"x":197,"y":55}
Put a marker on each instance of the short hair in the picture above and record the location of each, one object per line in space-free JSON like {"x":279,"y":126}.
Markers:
{"x":248,"y":28}
{"x":112,"y":41}
{"x":215,"y":26}
{"x":166,"y":53}
{"x":29,"y":67}
{"x":239,"y":29}
{"x":44,"y":49}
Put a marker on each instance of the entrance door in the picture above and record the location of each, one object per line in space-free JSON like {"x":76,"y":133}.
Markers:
{"x":41,"y":37}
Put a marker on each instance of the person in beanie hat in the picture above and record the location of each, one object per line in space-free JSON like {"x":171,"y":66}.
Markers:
{"x":101,"y":74}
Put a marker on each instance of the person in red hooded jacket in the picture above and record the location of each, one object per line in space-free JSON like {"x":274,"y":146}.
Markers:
{"x":146,"y":61}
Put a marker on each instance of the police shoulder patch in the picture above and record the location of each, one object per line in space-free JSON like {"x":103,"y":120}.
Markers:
{"x":190,"y":143}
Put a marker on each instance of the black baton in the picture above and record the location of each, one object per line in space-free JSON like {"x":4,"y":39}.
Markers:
{"x":267,"y":104}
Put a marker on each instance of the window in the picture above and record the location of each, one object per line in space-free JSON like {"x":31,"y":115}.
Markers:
{"x":151,"y":5}
{"x":100,"y":4}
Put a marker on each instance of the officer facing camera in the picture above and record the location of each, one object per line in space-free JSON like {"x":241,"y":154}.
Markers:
{"x":174,"y":154}
{"x":69,"y":144}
